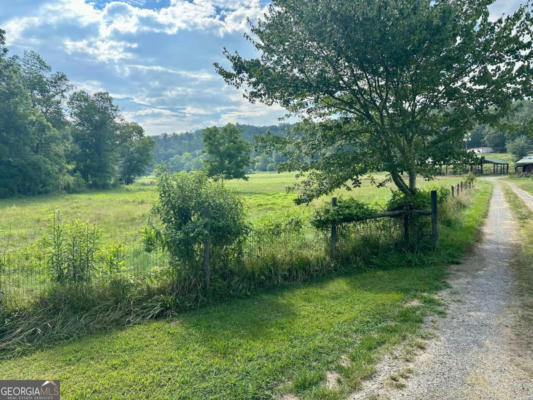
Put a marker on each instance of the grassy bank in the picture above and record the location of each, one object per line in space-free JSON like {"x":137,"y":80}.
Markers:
{"x":279,"y":341}
{"x":523,"y":183}
{"x":522,"y":267}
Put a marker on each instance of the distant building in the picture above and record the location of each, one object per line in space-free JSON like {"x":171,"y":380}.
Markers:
{"x":481,"y":150}
{"x":524,"y":166}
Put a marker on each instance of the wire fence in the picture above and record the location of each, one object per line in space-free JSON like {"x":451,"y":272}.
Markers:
{"x":26,"y":273}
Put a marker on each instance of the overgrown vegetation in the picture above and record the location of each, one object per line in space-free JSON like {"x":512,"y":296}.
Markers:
{"x":200,"y":220}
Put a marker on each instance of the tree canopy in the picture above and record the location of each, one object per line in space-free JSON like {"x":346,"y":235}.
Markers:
{"x":383,"y":84}
{"x":228,"y":154}
{"x":42,"y":151}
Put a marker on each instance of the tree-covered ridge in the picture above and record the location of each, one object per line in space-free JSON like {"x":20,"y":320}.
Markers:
{"x":55,"y":139}
{"x":514,"y":134}
{"x":185,"y":151}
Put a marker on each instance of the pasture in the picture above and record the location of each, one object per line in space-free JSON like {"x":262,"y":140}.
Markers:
{"x":121,"y":213}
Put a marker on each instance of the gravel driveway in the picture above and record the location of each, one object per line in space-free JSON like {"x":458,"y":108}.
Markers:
{"x":479,"y":351}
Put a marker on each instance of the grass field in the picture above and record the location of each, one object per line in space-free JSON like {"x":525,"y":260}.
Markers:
{"x":122,"y":212}
{"x":279,"y":341}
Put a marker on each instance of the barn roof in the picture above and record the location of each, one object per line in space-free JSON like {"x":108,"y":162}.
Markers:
{"x":525,"y":161}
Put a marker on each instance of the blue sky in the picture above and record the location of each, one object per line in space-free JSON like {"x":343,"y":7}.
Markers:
{"x":154,"y":56}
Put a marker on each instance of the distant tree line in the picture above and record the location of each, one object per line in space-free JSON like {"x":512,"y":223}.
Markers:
{"x":186,"y":151}
{"x":53,"y":138}
{"x":513,"y":135}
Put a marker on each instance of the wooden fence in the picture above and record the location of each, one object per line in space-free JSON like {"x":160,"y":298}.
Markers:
{"x":406,"y":214}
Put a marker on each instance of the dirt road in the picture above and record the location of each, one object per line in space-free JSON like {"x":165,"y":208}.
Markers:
{"x":478,"y":352}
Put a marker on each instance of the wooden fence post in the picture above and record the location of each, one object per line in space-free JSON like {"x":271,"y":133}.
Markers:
{"x":458,"y":190}
{"x":434,"y":219}
{"x":207,"y":260}
{"x":453,"y":191}
{"x":333,"y":243}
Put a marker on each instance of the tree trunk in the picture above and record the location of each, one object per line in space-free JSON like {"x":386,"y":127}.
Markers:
{"x":399,"y":182}
{"x":412,"y":180}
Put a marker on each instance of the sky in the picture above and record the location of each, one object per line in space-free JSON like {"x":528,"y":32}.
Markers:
{"x":155,"y":57}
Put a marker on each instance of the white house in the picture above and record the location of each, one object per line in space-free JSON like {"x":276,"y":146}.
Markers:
{"x":481,"y":150}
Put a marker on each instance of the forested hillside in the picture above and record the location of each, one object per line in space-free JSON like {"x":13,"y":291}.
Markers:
{"x":513,"y":135}
{"x":56,"y":138}
{"x":184,"y":152}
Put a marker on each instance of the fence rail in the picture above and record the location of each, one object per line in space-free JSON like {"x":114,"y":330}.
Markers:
{"x":406,"y":214}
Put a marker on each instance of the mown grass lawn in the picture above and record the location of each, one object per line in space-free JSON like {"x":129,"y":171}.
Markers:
{"x":275,"y":342}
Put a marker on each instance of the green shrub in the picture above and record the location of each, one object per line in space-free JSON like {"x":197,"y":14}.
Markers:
{"x":347,"y":210}
{"x":470,"y":178}
{"x":112,"y":258}
{"x":197,"y":219}
{"x":420,"y":200}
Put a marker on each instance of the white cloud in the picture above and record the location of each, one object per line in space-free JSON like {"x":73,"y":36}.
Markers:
{"x":109,"y":50}
{"x":199,"y":75}
{"x":119,"y":17}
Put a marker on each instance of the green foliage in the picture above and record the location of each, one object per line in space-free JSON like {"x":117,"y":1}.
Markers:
{"x":136,"y":152}
{"x":32,"y":157}
{"x":470,"y":178}
{"x":95,"y":137}
{"x":275,"y":228}
{"x":513,"y":133}
{"x":347,"y":210}
{"x":186,"y":151}
{"x":228,"y":154}
{"x":520,"y":147}
{"x":192,"y":210}
{"x":70,"y":250}
{"x":420,"y":200}
{"x":42,"y":151}
{"x":112,"y":257}
{"x":381,"y":102}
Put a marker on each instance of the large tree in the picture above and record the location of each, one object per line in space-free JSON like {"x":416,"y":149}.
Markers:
{"x":31,"y":152}
{"x":48,"y":91}
{"x":228,"y":154}
{"x":135,"y":150}
{"x":390,"y":85}
{"x":95,"y":134}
